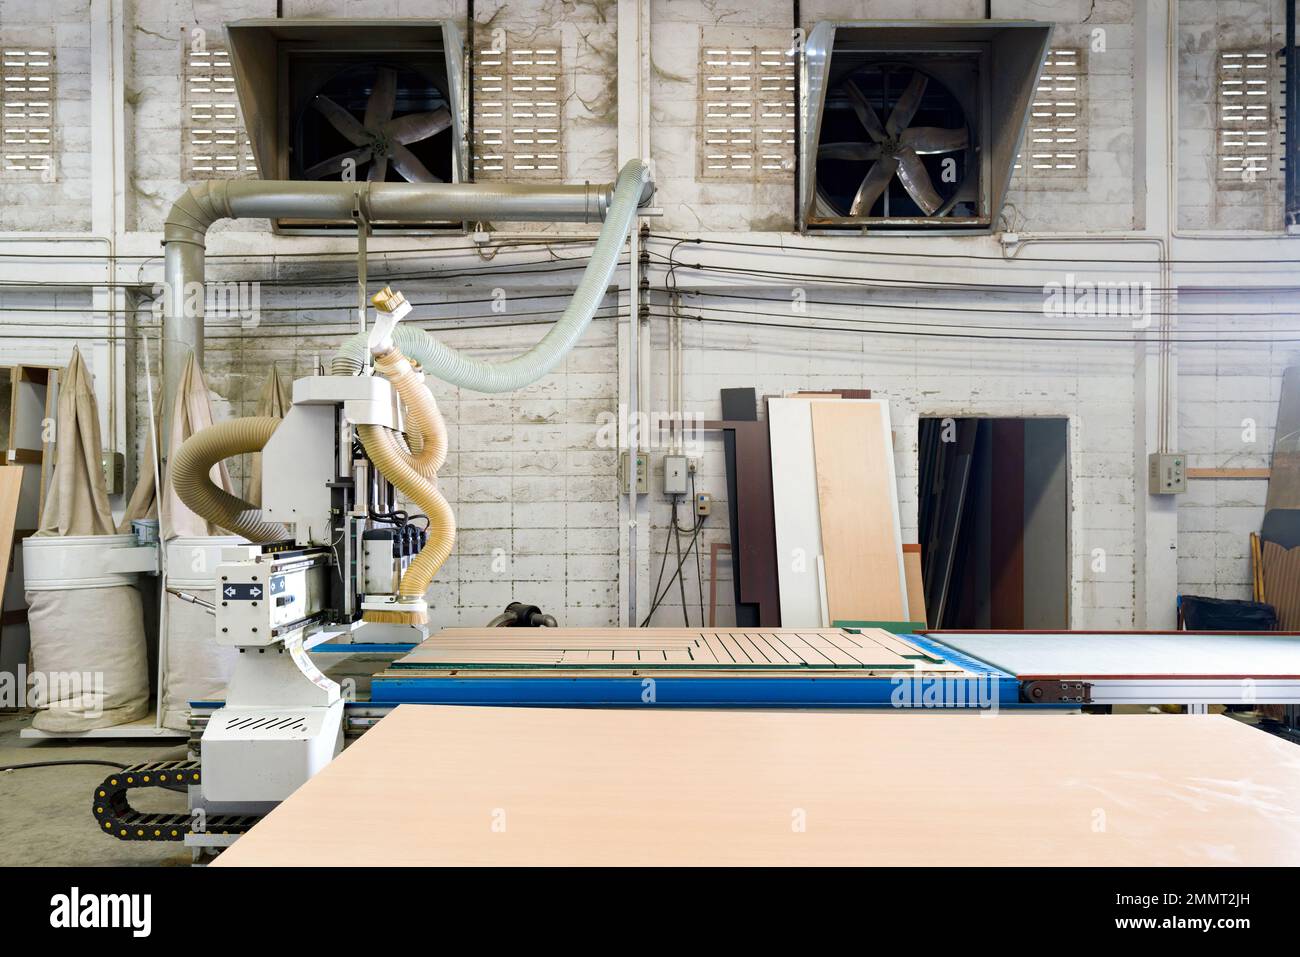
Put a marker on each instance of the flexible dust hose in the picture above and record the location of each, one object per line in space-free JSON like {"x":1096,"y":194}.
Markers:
{"x":414,"y":473}
{"x":395,"y":464}
{"x":191,"y":469}
{"x":424,"y":422}
{"x":449,"y":365}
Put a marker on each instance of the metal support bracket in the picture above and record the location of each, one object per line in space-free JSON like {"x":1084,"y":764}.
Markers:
{"x":1056,"y":692}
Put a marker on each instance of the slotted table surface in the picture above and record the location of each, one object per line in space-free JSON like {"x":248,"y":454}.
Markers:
{"x":673,"y":648}
{"x":530,"y":786}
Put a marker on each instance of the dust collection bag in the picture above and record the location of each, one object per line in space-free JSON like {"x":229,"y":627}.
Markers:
{"x":90,"y":661}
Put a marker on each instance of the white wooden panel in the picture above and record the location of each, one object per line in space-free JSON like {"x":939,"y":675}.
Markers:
{"x":795,"y":510}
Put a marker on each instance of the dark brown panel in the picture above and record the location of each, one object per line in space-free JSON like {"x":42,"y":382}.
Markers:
{"x":757,"y":528}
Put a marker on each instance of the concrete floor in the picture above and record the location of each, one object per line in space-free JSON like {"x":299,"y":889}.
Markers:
{"x":45,"y":813}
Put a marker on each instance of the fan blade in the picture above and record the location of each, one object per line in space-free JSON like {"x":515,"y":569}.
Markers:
{"x":341,"y":120}
{"x":873,"y":184}
{"x":334,"y":165}
{"x":417,"y":126}
{"x":932,"y":139}
{"x":860,"y":152}
{"x":823,"y":205}
{"x":378,"y":171}
{"x":866,"y":114}
{"x":383,"y":98}
{"x":409,"y":165}
{"x":907,"y":105}
{"x":912,"y":174}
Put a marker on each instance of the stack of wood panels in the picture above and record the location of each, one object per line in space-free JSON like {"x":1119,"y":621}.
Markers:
{"x":750,"y":502}
{"x":840,"y":555}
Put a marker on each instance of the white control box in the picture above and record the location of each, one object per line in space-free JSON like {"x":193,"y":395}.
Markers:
{"x":675,"y":470}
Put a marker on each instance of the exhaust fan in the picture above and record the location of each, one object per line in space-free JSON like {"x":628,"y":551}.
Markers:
{"x":914,"y":125}
{"x":351,"y":99}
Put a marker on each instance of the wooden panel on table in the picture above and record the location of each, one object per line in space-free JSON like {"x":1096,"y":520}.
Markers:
{"x":684,"y":649}
{"x":774,"y":648}
{"x":858,"y":501}
{"x":650,"y":787}
{"x":796,"y":517}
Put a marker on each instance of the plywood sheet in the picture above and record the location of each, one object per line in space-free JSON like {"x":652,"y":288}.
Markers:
{"x":11,"y":486}
{"x":678,"y":650}
{"x":523,"y":786}
{"x":915,"y":584}
{"x":795,"y":511}
{"x":858,"y":500}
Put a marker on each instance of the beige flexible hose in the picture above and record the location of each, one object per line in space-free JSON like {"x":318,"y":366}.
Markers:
{"x":190,"y":476}
{"x":415,"y":473}
{"x":425,"y":425}
{"x":394,"y":463}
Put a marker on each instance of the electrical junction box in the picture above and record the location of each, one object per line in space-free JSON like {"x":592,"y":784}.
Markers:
{"x":1167,"y":473}
{"x":114,"y":471}
{"x":642,"y":472}
{"x":675,"y":471}
{"x":703,"y":504}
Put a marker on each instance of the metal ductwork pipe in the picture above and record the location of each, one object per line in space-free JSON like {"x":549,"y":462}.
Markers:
{"x":186,"y":227}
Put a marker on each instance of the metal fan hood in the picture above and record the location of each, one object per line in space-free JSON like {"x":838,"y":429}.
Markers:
{"x":258,"y":51}
{"x":1009,"y":54}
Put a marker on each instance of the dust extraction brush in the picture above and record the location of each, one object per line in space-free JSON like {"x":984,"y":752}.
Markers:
{"x":391,"y":610}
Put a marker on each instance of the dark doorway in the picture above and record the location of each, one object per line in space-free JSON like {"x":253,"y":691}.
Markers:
{"x":994,"y":522}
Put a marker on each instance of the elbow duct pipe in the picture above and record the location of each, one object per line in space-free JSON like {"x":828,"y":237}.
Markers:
{"x":446,"y":363}
{"x":414,"y":473}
